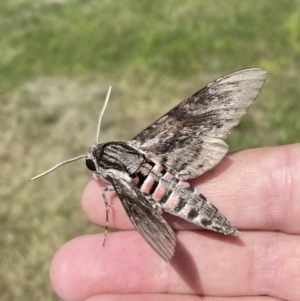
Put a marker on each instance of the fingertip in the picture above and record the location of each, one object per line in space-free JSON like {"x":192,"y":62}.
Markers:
{"x":77,"y":268}
{"x":63,"y":268}
{"x":83,"y":268}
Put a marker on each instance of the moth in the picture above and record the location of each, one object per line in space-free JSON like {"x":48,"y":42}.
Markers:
{"x":150,"y":172}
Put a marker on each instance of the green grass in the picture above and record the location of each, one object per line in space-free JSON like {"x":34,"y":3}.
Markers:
{"x":58,"y":59}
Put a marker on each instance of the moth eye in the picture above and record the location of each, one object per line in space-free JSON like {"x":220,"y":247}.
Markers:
{"x":90,"y":164}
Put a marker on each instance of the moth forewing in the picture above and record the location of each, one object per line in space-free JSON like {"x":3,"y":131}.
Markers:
{"x":144,"y":216}
{"x":178,"y":138}
{"x":149,"y":172}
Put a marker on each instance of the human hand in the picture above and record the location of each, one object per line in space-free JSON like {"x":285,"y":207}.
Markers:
{"x":257,"y":190}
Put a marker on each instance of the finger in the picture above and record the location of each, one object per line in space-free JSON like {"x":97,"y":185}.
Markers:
{"x":254,"y":189}
{"x":172,"y":297}
{"x":262,"y":263}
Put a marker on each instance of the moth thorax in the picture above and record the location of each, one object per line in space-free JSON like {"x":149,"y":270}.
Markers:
{"x":118,"y":156}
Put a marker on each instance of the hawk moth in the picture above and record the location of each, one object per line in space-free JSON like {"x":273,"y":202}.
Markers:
{"x":150,"y":172}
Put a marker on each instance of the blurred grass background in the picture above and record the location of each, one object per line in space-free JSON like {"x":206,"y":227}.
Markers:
{"x":57,"y":60}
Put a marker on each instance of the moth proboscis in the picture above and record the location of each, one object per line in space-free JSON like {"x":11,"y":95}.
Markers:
{"x":150,"y":172}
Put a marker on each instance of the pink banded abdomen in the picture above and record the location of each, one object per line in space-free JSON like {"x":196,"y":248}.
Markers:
{"x":179,"y":198}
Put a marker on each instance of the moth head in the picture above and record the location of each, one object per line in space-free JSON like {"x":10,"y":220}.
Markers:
{"x":90,"y":160}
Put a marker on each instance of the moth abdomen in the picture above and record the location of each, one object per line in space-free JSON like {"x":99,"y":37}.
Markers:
{"x":196,"y":209}
{"x":180,"y":198}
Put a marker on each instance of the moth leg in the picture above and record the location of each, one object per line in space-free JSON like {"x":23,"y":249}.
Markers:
{"x":104,"y":189}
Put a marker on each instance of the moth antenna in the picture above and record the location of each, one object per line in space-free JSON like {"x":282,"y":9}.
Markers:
{"x":101,"y":114}
{"x":56,"y":166}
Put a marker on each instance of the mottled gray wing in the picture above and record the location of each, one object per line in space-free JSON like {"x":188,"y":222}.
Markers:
{"x":146,"y":219}
{"x":188,"y":140}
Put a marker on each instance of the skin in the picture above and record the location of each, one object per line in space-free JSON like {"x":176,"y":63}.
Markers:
{"x":258,"y":190}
